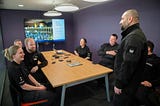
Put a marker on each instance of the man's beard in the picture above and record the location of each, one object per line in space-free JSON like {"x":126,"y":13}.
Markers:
{"x":31,"y":51}
{"x":122,"y":28}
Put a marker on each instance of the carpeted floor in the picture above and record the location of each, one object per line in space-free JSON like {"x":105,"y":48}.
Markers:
{"x":88,"y":94}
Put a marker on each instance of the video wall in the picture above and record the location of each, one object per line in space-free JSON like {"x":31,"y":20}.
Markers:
{"x":45,"y":30}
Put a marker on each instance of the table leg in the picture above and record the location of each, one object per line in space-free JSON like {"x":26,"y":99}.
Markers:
{"x":63,"y":95}
{"x":107,"y":87}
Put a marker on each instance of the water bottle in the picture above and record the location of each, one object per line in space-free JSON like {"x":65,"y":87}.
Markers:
{"x":54,"y":49}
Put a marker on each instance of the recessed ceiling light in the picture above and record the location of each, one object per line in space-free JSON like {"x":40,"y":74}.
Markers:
{"x":20,"y":5}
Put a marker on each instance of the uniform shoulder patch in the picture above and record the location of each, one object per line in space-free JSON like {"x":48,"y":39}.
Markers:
{"x":131,"y":50}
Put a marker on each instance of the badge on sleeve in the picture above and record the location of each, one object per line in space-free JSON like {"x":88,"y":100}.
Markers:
{"x":131,"y":54}
{"x":131,"y":50}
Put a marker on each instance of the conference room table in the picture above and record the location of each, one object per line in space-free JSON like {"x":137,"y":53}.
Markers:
{"x":66,"y":69}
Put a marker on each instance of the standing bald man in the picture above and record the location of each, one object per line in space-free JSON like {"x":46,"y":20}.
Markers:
{"x":130,"y":59}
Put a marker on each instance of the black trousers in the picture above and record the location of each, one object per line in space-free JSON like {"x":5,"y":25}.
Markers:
{"x":154,"y":97}
{"x":53,"y":95}
{"x":142,"y":95}
{"x":124,"y":99}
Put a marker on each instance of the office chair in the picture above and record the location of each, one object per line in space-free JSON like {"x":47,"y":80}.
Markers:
{"x":16,"y":98}
{"x":34,"y":103}
{"x":90,"y":56}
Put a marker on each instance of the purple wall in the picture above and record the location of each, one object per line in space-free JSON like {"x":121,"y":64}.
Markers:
{"x":13,"y":27}
{"x":95,"y":23}
{"x":98,"y":22}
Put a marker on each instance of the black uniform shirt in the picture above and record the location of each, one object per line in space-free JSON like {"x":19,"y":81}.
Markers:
{"x":83,"y":52}
{"x":18,"y":75}
{"x":31,"y":59}
{"x":107,"y":59}
{"x":152,"y":70}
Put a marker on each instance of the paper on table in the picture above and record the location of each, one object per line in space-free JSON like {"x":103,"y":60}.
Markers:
{"x":74,"y":64}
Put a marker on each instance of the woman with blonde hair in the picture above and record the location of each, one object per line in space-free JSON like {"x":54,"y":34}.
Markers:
{"x":22,"y":80}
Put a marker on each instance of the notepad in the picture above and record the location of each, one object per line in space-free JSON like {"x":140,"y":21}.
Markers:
{"x":74,"y":64}
{"x":59,"y":52}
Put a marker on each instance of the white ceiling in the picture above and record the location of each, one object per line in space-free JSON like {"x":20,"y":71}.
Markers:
{"x":42,"y":5}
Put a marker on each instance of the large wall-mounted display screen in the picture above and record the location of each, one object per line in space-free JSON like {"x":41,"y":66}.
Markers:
{"x":45,"y":30}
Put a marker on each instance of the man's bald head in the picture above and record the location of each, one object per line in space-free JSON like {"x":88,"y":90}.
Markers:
{"x":132,"y":13}
{"x":129,"y":18}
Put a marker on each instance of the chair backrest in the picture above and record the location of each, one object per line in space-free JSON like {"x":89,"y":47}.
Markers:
{"x":90,"y":56}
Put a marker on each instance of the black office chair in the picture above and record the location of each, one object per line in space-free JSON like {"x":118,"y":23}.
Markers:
{"x":16,"y":98}
{"x":90,"y":56}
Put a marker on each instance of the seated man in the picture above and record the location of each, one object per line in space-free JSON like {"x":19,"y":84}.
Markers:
{"x":34,"y":60}
{"x":151,"y":77}
{"x":18,"y":42}
{"x":108,"y":52}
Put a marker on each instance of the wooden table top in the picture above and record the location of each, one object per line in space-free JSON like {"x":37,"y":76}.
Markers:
{"x":59,"y":72}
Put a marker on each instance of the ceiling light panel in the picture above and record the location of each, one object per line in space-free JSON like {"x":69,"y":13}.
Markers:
{"x":52,"y":13}
{"x":66,"y":7}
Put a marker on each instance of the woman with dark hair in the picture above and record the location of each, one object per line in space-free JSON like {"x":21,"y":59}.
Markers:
{"x":83,"y":50}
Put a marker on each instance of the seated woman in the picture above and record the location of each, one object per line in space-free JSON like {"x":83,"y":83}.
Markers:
{"x":23,"y":81}
{"x":83,"y":50}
